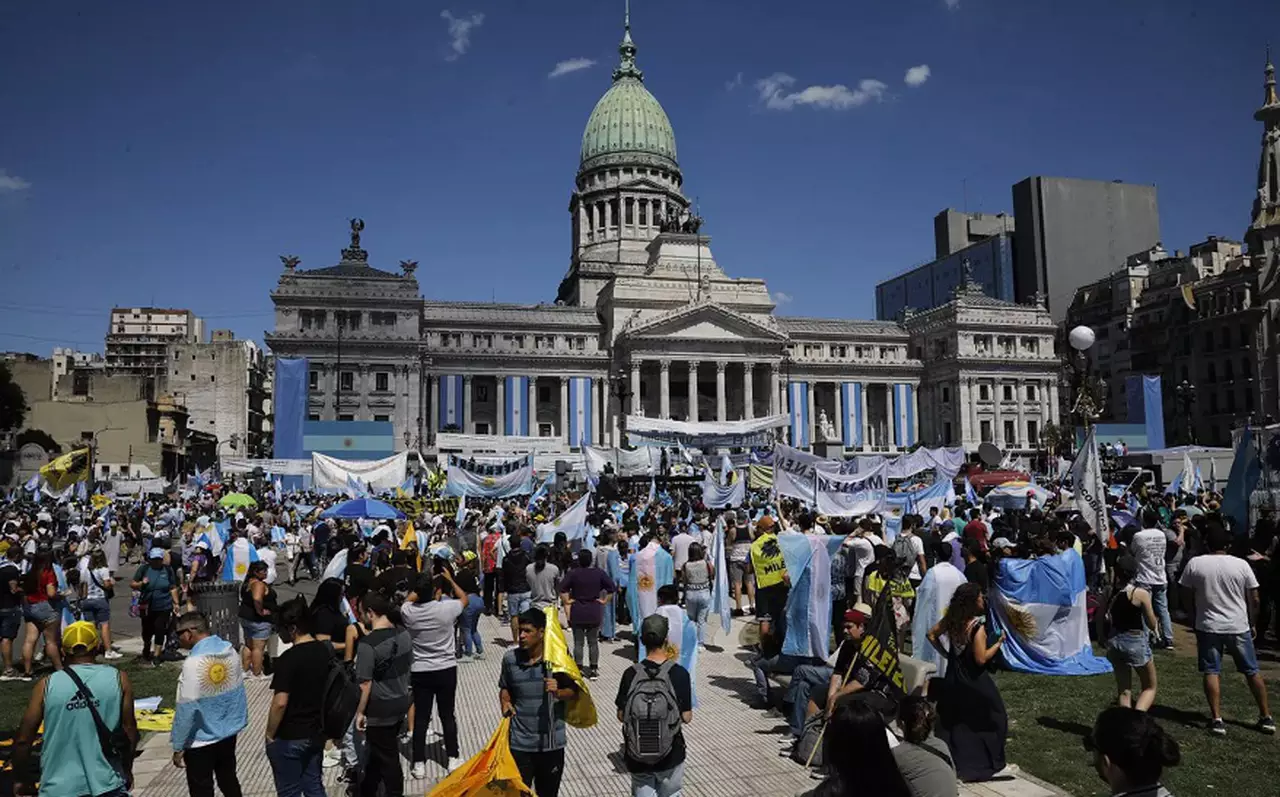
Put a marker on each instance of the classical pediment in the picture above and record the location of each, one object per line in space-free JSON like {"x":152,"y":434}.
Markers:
{"x":702,"y":320}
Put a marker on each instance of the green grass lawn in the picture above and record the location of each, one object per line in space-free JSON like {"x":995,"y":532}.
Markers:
{"x":1048,"y":717}
{"x":147,"y":682}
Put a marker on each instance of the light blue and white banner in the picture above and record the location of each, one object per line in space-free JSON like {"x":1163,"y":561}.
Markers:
{"x":848,"y":494}
{"x":506,"y":478}
{"x":452,"y":403}
{"x":717,"y":496}
{"x":1189,"y":480}
{"x":580,"y":431}
{"x":721,"y":597}
{"x":516,"y":419}
{"x":808,"y":560}
{"x":651,"y":568}
{"x":1052,"y":590}
{"x":798,"y":406}
{"x":572,"y":523}
{"x":851,"y":404}
{"x":904,"y":415}
{"x":794,"y":472}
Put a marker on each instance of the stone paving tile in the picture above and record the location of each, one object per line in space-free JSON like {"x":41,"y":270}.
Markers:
{"x":731,"y":750}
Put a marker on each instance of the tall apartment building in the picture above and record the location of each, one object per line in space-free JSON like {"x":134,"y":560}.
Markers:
{"x":137,"y":337}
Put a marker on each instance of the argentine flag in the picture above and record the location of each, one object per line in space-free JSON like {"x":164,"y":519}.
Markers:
{"x":240,"y":554}
{"x":653,"y":489}
{"x":337,"y":568}
{"x":682,"y":643}
{"x":68,"y":616}
{"x":651,"y":568}
{"x":808,"y":610}
{"x":540,"y":492}
{"x":721,"y":598}
{"x":355,"y":489}
{"x":970,"y":494}
{"x":572,"y":521}
{"x":1052,"y":590}
{"x":211,"y":697}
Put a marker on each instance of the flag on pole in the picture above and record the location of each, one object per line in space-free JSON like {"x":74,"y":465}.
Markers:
{"x":721,"y":598}
{"x":726,"y":467}
{"x":279,"y":490}
{"x":540,"y":492}
{"x":580,"y":711}
{"x":653,"y":489}
{"x":1089,"y":490}
{"x":460,"y":517}
{"x":572,"y":522}
{"x":67,"y":469}
{"x":970,"y":494}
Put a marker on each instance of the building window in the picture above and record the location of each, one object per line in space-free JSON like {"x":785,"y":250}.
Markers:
{"x":382,"y":319}
{"x":349,"y":319}
{"x":984,"y":393}
{"x":1010,"y":432}
{"x":382,"y":381}
{"x":1031,"y":345}
{"x":382,"y":418}
{"x":346,"y":417}
{"x":313,"y":379}
{"x":544,"y":394}
{"x":946,"y":433}
{"x":982,"y":344}
{"x":482,"y":393}
{"x":985,"y":427}
{"x":644,"y":214}
{"x":839,"y":350}
{"x":1033,"y":433}
{"x":946,"y":394}
{"x":1006,"y":392}
{"x":1248,"y":399}
{"x":1228,"y":373}
{"x":346,"y":381}
{"x":630,"y":211}
{"x":482,"y":428}
{"x":1212,"y":374}
{"x":313,"y":417}
{"x":1208,"y":341}
{"x":544,"y":430}
{"x":1213,"y":403}
{"x":1031,"y":392}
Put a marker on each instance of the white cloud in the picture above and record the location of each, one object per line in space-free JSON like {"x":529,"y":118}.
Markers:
{"x":571,"y":65}
{"x":775,"y":94}
{"x":917,"y":75}
{"x":460,"y":32}
{"x":12,"y":183}
{"x":782,"y":298}
{"x":730,"y":85}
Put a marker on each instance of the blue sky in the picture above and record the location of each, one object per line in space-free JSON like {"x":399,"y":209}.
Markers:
{"x":160,"y":153}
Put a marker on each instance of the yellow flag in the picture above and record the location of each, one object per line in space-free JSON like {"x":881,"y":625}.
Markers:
{"x":581,"y":711}
{"x":410,"y":542}
{"x":67,"y":469}
{"x":99,"y":501}
{"x":492,"y":772}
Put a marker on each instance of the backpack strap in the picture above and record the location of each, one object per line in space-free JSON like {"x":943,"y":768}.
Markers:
{"x":109,"y":749}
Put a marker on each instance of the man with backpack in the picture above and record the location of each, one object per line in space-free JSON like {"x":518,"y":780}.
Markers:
{"x":655,"y":699}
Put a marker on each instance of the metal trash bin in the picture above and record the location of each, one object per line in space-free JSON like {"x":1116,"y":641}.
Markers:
{"x":219,"y":601}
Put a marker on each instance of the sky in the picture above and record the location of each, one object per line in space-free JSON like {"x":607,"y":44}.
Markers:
{"x":166,"y":154}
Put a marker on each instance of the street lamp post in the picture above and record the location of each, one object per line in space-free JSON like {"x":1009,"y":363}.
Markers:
{"x":622,"y":392}
{"x":1185,"y":394}
{"x":1088,"y":391}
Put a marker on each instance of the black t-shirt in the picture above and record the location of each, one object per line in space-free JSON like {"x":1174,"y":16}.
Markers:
{"x":976,"y":573}
{"x":864,"y":672}
{"x":331,"y":623}
{"x":682,"y":686}
{"x":467,"y":580}
{"x":513,"y":571}
{"x":397,"y":579}
{"x":301,"y":672}
{"x":9,"y":572}
{"x":359,"y":580}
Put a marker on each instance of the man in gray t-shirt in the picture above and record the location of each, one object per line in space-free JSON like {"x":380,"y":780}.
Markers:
{"x":544,"y":584}
{"x":383,"y":658}
{"x":535,"y":699}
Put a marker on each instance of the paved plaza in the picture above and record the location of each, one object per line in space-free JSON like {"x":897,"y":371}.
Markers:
{"x":732,"y":752}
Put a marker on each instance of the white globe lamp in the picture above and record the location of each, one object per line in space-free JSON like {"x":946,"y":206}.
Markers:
{"x":1081,"y":338}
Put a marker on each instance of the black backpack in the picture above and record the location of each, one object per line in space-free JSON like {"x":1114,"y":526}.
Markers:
{"x":341,"y":698}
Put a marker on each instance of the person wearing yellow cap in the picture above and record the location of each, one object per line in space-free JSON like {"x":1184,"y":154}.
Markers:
{"x":72,"y":758}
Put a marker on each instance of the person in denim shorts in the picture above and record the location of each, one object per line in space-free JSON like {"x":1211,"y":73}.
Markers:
{"x":10,"y":607}
{"x":1129,"y":648}
{"x":95,"y":580}
{"x":1225,"y":589}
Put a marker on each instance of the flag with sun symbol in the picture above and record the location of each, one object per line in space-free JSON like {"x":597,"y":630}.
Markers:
{"x":651,"y":568}
{"x":211,"y":698}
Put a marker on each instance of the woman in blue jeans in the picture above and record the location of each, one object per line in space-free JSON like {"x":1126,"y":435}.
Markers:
{"x":295,"y":735}
{"x":472,"y":609}
{"x":698,"y":576}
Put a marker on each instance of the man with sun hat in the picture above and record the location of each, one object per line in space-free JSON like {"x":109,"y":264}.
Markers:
{"x":211,"y":709}
{"x":72,"y":759}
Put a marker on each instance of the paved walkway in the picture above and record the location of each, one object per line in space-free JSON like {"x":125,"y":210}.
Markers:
{"x":731,"y":749}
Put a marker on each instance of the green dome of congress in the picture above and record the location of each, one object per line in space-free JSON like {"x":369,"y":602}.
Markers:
{"x":628,"y":126}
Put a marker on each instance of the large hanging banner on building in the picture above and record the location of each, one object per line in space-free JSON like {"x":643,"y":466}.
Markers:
{"x":851,"y":405}
{"x":290,"y":405}
{"x":515,"y":419}
{"x":580,"y":430}
{"x":904,"y":415}
{"x":946,"y":461}
{"x":451,"y":403}
{"x":490,"y":479}
{"x":754,"y":433}
{"x":330,"y":473}
{"x":798,"y":406}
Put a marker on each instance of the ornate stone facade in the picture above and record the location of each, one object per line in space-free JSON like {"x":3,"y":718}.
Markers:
{"x":646,"y":322}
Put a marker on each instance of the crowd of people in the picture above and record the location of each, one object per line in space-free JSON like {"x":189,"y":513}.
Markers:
{"x":395,"y":624}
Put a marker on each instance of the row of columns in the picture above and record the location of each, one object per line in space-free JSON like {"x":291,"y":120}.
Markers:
{"x":500,"y":413}
{"x":1045,"y":403}
{"x":862,"y":414}
{"x":693,"y":366}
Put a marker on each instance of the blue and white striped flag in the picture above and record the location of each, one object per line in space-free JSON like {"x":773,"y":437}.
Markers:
{"x":721,"y":598}
{"x":279,"y":490}
{"x":682,"y":643}
{"x":726,"y":467}
{"x":970,"y":494}
{"x":653,"y":489}
{"x":460,"y":516}
{"x":355,"y":489}
{"x":33,"y":484}
{"x":808,"y":560}
{"x":540,"y":492}
{"x":240,"y":554}
{"x":651,"y":568}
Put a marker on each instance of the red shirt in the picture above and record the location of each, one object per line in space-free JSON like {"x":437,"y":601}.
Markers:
{"x":47,"y":579}
{"x":976,"y":530}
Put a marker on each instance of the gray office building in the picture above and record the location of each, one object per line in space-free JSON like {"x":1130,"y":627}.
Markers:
{"x":1073,"y":232}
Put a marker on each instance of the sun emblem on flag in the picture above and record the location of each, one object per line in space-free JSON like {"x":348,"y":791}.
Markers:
{"x":645,"y":582}
{"x":347,"y":442}
{"x":215,"y":676}
{"x":241,"y":569}
{"x":489,"y":481}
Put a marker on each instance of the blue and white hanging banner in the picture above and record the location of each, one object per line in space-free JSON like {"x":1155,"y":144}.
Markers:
{"x":798,"y":405}
{"x":580,"y":411}
{"x":718,"y":496}
{"x":904,"y":415}
{"x":489,"y":479}
{"x":516,"y":421}
{"x":851,"y":403}
{"x":451,"y":403}
{"x":851,"y":495}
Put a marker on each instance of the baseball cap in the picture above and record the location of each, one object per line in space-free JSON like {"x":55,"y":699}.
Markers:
{"x":654,"y":625}
{"x":155,"y":553}
{"x":858,"y":613}
{"x":81,"y":634}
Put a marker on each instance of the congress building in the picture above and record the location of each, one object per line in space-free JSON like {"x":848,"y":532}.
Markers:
{"x":645,"y":321}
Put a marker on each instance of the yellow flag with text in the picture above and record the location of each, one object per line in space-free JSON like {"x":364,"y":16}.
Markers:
{"x":67,"y":469}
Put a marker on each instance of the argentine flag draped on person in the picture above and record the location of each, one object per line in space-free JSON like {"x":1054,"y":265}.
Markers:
{"x":808,"y":610}
{"x":240,"y":554}
{"x":682,"y":643}
{"x":721,"y":599}
{"x":650,"y":568}
{"x":212,"y":704}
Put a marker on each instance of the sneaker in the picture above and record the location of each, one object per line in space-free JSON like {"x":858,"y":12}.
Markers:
{"x":773,"y":714}
{"x":593,"y":674}
{"x":331,"y":758}
{"x":111,"y":654}
{"x":788,"y":750}
{"x":418,"y":771}
{"x":452,"y":764}
{"x":1218,"y":727}
{"x":465,"y":658}
{"x":26,"y":676}
{"x":1167,"y":646}
{"x":9,"y":675}
{"x":1267,"y":725}
{"x":479,"y":656}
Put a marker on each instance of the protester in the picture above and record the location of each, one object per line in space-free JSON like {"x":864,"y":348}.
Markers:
{"x":699,"y":575}
{"x":1225,"y":598}
{"x":857,"y":755}
{"x":384,"y":658}
{"x":40,"y":586}
{"x":11,"y":604}
{"x":770,"y":568}
{"x":1148,"y":548}
{"x":1129,"y":648}
{"x":971,"y":714}
{"x":923,"y":759}
{"x":295,"y":732}
{"x":157,"y":601}
{"x":73,"y":759}
{"x":429,"y":615}
{"x":329,"y":622}
{"x":655,"y":701}
{"x":544,"y":579}
{"x":515,"y":577}
{"x":472,"y":608}
{"x":257,"y":613}
{"x":95,"y":585}
{"x":535,"y":700}
{"x":1130,"y":752}
{"x":585,"y":593}
{"x":211,"y":710}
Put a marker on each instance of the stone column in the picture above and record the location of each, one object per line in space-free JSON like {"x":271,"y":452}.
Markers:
{"x":721,"y":408}
{"x":500,"y":426}
{"x":610,"y":414}
{"x":533,"y":406}
{"x":1054,"y":407}
{"x":838,"y":421}
{"x":813,"y":419}
{"x":664,"y":389}
{"x":891,"y":405}
{"x":748,"y":391}
{"x":1020,"y":393}
{"x":693,"y":391}
{"x":434,"y":409}
{"x":636,"y":403}
{"x":998,"y":431}
{"x":774,"y":389}
{"x":964,"y":421}
{"x":595,"y":411}
{"x":865,"y":421}
{"x":973,"y":412}
{"x":415,"y":409}
{"x":608,"y":217}
{"x":564,"y":410}
{"x":466,"y":404}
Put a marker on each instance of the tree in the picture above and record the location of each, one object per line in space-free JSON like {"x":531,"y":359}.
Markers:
{"x":40,"y":438}
{"x":13,"y":405}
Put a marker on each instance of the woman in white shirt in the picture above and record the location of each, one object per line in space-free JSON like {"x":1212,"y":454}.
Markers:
{"x":95,"y":581}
